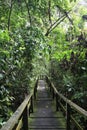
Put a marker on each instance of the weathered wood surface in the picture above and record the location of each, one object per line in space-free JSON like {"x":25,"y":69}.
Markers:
{"x":72,"y":104}
{"x":45,"y":115}
{"x":69,"y":107}
{"x":20,"y":116}
{"x":10,"y":124}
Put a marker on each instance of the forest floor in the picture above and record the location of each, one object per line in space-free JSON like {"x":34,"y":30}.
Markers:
{"x":45,"y":115}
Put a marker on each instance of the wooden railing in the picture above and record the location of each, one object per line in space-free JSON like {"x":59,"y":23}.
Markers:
{"x":67,"y":108}
{"x":20,"y":118}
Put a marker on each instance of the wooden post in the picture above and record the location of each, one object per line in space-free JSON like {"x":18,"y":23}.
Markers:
{"x":85,"y":125}
{"x":35,"y":93}
{"x":31,"y":107}
{"x":53,"y":93}
{"x":57,"y":102}
{"x":35,"y":89}
{"x":36,"y":85}
{"x":25,"y":119}
{"x":29,"y":112}
{"x":67,"y":117}
{"x":50,"y":89}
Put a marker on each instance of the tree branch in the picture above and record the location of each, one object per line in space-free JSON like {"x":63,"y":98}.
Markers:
{"x":49,"y":11}
{"x":57,"y":22}
{"x":64,"y":11}
{"x":28,"y":11}
{"x":53,"y":27}
{"x":71,"y":21}
{"x":54,"y":23}
{"x":9,"y":16}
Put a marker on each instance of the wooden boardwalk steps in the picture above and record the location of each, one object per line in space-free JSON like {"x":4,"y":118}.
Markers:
{"x":43,"y":110}
{"x":45,"y":115}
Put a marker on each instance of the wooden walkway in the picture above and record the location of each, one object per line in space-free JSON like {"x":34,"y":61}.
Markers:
{"x":45,"y":115}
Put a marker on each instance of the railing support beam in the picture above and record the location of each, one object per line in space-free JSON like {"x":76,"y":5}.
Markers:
{"x":57,"y":105}
{"x":25,"y":119}
{"x":35,"y":90}
{"x":31,"y":107}
{"x":53,"y":93}
{"x":67,"y":117}
{"x":35,"y":94}
{"x":86,"y":125}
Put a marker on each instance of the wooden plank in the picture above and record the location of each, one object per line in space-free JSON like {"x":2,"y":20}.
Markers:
{"x":77,"y":108}
{"x":19,"y":126}
{"x":63,"y":108}
{"x":72,"y":118}
{"x":25,"y":118}
{"x":57,"y":103}
{"x":68,"y":113}
{"x":72,"y":104}
{"x":76,"y":123}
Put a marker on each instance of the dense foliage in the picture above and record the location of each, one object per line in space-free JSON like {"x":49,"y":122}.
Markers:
{"x":42,"y":37}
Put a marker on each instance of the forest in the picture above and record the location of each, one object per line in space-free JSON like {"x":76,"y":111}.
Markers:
{"x":42,"y":37}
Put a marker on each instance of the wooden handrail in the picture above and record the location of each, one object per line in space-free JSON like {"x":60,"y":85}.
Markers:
{"x":16,"y":116}
{"x":72,"y":104}
{"x":21,"y":114}
{"x":69,"y":103}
